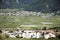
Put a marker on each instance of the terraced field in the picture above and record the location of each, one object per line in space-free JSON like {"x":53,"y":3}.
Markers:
{"x":29,"y":22}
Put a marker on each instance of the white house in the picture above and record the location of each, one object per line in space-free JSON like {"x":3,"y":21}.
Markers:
{"x":12,"y":35}
{"x":46,"y":36}
{"x":24,"y":34}
{"x":39,"y":35}
{"x":34,"y":35}
{"x":52,"y":35}
{"x":49,"y":35}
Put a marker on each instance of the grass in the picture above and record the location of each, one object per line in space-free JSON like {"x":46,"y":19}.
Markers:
{"x":29,"y":39}
{"x":17,"y":21}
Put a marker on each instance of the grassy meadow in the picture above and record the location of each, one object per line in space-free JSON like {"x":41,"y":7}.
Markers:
{"x":33,"y":22}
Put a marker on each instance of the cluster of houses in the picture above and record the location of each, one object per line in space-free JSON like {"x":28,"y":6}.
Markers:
{"x":30,"y":33}
{"x":25,"y":13}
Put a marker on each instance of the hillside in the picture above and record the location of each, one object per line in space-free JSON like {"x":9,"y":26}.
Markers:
{"x":31,"y":5}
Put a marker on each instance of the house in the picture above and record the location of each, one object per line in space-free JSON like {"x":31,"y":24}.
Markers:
{"x":39,"y":34}
{"x":52,"y":35}
{"x":12,"y":35}
{"x":27,"y":34}
{"x":5,"y":31}
{"x":31,"y":34}
{"x":24,"y":34}
{"x":48,"y":35}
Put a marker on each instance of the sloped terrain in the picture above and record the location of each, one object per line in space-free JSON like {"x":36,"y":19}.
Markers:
{"x":31,"y":5}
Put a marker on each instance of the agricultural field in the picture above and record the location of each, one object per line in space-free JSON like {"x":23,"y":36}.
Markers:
{"x":29,"y":22}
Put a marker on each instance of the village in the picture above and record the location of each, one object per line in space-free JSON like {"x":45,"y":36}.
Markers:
{"x":18,"y":33}
{"x":25,"y":13}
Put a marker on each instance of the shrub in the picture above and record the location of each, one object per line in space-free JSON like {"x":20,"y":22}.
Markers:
{"x":58,"y":36}
{"x":2,"y":36}
{"x":7,"y":36}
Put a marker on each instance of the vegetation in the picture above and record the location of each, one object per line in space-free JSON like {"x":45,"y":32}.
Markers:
{"x":31,"y":5}
{"x":30,"y":39}
{"x":2,"y":36}
{"x":9,"y":22}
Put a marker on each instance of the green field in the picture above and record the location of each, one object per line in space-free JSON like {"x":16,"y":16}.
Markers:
{"x":10,"y":22}
{"x":30,"y":39}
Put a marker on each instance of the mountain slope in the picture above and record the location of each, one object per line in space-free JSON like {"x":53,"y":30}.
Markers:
{"x":31,"y":5}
